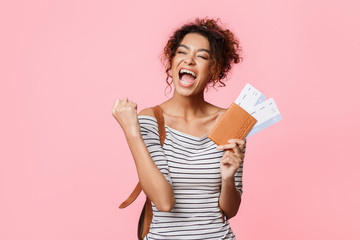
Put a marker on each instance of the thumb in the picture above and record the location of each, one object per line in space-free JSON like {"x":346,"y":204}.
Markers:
{"x":116,"y":103}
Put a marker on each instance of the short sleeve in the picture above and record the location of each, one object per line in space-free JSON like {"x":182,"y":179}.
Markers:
{"x":239,"y":173}
{"x":150,"y":135}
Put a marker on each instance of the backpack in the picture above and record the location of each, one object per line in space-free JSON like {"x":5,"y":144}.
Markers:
{"x":146,"y":213}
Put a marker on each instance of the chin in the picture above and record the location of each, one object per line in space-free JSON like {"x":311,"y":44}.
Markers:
{"x":187,"y":92}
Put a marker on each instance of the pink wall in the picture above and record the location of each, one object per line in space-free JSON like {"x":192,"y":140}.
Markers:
{"x":65,"y":165}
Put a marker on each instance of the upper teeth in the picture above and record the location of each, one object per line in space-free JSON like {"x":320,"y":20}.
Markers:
{"x":188,"y":71}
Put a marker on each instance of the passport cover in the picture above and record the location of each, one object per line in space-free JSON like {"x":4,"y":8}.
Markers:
{"x":234,"y":123}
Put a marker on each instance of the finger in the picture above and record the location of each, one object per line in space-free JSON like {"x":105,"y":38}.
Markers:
{"x":237,"y":156}
{"x":230,"y":146}
{"x":239,"y":142}
{"x":238,"y":152}
{"x":116,"y":103}
{"x":229,"y":155}
{"x":231,"y":161}
{"x":232,"y":158}
{"x":225,"y":160}
{"x":132,"y":103}
{"x":226,"y":146}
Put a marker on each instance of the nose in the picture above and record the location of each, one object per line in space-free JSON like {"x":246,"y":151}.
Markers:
{"x":189,"y":59}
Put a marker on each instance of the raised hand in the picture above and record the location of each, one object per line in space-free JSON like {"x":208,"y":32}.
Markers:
{"x":125,"y":112}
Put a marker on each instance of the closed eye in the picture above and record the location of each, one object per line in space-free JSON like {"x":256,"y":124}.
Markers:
{"x":203,"y":57}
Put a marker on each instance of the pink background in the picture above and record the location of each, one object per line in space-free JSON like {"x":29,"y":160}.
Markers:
{"x":65,"y":166}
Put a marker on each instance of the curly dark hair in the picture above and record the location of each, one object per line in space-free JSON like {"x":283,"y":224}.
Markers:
{"x":224,"y":48}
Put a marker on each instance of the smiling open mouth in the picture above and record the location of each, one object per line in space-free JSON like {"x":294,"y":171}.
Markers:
{"x":186,"y":77}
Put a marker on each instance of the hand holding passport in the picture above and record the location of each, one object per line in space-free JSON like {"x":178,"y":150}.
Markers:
{"x":249,"y":114}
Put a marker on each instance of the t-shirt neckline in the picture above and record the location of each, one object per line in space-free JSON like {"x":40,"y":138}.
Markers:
{"x":178,"y":131}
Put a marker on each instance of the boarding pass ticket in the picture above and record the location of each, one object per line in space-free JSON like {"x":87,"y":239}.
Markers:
{"x":264,"y":111}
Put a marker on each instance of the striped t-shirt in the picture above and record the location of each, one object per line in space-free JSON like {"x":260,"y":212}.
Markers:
{"x":192,"y":166}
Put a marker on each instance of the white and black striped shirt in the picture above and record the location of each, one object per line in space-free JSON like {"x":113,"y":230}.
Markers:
{"x":192,"y":166}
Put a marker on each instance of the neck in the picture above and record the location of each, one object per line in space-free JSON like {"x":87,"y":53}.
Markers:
{"x":187,"y":107}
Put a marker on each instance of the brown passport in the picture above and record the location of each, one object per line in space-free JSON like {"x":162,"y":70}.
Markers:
{"x":234,"y":123}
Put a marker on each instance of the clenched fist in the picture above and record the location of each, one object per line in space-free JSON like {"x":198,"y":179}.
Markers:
{"x":125,"y":112}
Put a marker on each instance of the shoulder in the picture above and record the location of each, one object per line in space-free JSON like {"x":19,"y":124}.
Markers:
{"x":213,"y":108}
{"x":148,"y":124}
{"x":216,"y":111}
{"x":147,"y":119}
{"x":220,"y":110}
{"x":147,"y":112}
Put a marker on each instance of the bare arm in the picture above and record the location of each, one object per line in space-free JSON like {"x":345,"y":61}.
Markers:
{"x":230,"y":197}
{"x":152,"y":181}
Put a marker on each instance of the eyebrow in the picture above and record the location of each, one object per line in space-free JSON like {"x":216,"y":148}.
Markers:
{"x":201,"y":49}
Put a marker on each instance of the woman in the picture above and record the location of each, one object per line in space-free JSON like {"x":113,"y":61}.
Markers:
{"x":190,"y":180}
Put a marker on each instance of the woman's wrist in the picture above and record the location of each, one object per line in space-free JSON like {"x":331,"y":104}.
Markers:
{"x":230,"y":181}
{"x":132,"y":133}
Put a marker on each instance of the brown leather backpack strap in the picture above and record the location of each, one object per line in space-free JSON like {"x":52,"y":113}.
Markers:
{"x":161,"y":123}
{"x":162,"y":133}
{"x":132,"y":197}
{"x":148,"y":218}
{"x":145,"y":222}
{"x":222,"y":215}
{"x":148,"y":215}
